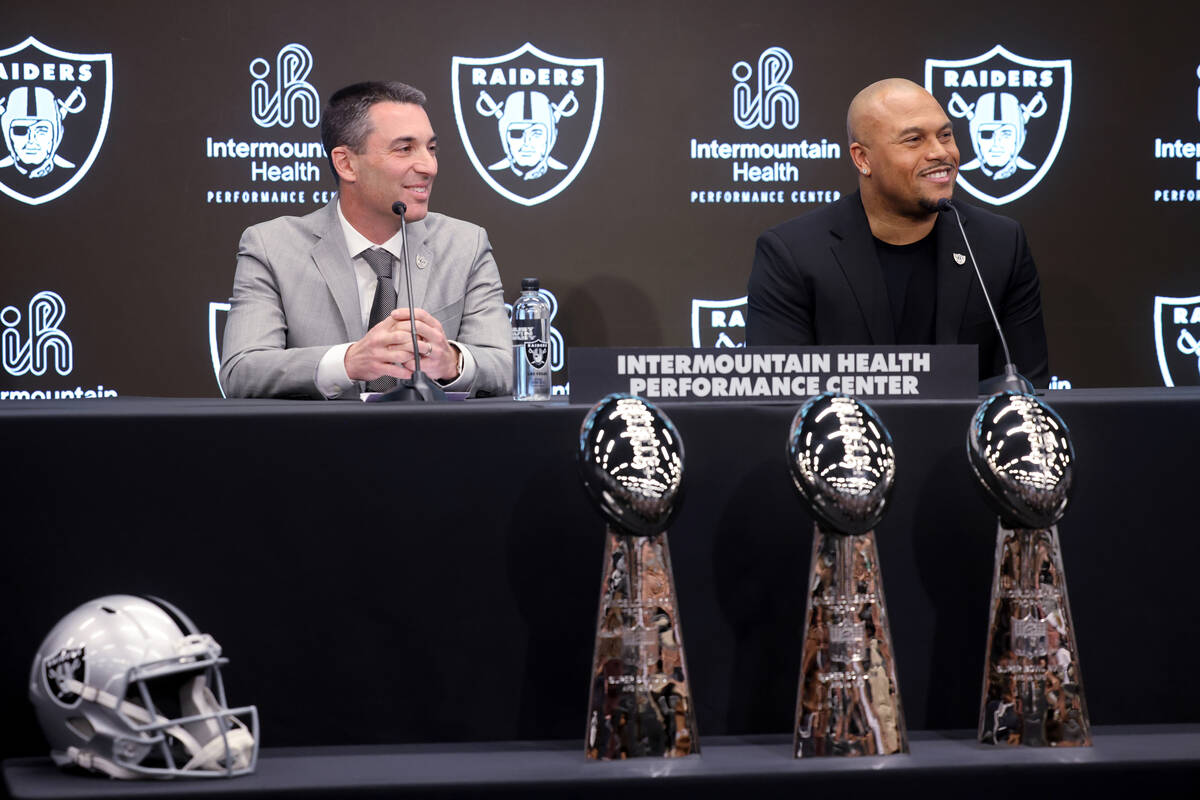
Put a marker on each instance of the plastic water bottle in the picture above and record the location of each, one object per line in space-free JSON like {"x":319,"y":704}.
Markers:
{"x":531,"y":344}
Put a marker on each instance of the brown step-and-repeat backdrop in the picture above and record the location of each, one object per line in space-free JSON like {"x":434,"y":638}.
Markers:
{"x":141,"y":138}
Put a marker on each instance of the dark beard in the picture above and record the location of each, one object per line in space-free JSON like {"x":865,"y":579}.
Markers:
{"x":928,"y":205}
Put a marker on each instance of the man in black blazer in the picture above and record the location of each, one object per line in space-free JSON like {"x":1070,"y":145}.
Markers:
{"x":882,"y":266}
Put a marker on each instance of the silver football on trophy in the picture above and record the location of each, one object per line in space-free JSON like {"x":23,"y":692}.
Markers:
{"x":631,"y":462}
{"x":842,"y":461}
{"x":1021,"y":451}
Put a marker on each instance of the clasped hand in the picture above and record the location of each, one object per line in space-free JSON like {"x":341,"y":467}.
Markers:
{"x":387,"y":349}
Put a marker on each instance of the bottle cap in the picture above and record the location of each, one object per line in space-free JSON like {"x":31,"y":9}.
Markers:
{"x":529,"y":284}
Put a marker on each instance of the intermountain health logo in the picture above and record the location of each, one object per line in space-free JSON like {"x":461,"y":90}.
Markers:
{"x":290,"y":97}
{"x":1016,"y":112}
{"x":764,"y":161}
{"x":34,"y":343}
{"x":282,"y":163}
{"x":39,"y":344}
{"x":528,"y":119}
{"x":54,"y":109}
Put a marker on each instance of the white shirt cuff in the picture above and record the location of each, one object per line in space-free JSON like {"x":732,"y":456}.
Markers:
{"x":463,"y":382}
{"x":332,"y":380}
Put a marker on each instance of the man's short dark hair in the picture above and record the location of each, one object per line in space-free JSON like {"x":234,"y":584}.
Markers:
{"x":345,"y":121}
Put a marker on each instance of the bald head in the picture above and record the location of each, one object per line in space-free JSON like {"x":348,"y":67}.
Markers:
{"x":902,"y":146}
{"x":872,"y":105}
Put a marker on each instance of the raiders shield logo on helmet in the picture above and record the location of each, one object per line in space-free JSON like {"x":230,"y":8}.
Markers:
{"x":719,"y":323}
{"x":63,"y":666}
{"x":528,"y":119}
{"x":1011,"y":114}
{"x":54,"y":109}
{"x":1177,"y":339}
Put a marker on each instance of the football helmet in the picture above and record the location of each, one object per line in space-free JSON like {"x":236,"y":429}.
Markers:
{"x":128,"y":686}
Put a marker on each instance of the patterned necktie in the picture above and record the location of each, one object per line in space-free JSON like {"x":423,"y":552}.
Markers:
{"x":385,"y":303}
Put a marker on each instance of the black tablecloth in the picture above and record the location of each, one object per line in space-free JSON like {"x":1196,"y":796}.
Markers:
{"x":1164,"y":759}
{"x":384,"y":574}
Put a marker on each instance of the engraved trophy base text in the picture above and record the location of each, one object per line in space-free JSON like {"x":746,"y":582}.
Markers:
{"x":640,"y":702}
{"x":1032,"y":687}
{"x":849,"y":699}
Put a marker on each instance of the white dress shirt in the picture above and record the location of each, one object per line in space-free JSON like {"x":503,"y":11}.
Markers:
{"x":332,"y":379}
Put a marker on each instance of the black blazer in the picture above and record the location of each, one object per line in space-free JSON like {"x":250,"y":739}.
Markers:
{"x":817,"y":280}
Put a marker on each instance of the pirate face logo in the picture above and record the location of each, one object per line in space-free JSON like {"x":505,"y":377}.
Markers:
{"x":58,"y":669}
{"x":719,"y":323}
{"x":528,"y":119}
{"x":998,"y":134}
{"x":1007,"y":102}
{"x":1177,"y":339}
{"x":33,"y":130}
{"x":528,"y":130}
{"x":54,"y":110}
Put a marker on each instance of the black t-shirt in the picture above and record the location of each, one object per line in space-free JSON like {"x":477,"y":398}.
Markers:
{"x":910,"y":273}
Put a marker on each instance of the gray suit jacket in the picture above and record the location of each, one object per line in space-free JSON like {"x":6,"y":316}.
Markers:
{"x":295,"y":296}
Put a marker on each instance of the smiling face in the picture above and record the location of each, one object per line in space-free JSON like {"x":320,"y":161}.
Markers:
{"x":398,"y":162}
{"x":905,"y":144}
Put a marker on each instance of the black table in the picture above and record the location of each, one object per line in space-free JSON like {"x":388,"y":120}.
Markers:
{"x":1162,"y":759}
{"x":387,"y":575}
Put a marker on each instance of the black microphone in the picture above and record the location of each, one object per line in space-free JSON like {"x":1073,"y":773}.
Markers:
{"x":1011,"y":379}
{"x":418,"y":387}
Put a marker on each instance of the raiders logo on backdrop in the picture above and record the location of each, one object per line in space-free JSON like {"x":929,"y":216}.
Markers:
{"x":217,"y":313}
{"x":528,"y":119}
{"x":60,"y":667}
{"x":1177,"y":339}
{"x":719,"y":323}
{"x":54,"y":109}
{"x":1013,"y":115}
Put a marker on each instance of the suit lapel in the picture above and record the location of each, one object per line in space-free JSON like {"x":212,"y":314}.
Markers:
{"x":421,"y":264}
{"x":333,"y":262}
{"x":854,"y":248}
{"x":953,"y":279}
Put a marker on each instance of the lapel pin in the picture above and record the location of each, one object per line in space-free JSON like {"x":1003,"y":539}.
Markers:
{"x":959,"y":259}
{"x":423,"y":262}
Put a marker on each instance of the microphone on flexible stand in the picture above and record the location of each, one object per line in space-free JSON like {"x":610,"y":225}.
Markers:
{"x":418,"y":387}
{"x":1011,"y":379}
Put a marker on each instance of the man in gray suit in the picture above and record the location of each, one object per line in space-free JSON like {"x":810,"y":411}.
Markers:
{"x":301,"y":323}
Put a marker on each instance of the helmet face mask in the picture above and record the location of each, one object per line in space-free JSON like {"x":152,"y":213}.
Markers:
{"x":125,"y":686}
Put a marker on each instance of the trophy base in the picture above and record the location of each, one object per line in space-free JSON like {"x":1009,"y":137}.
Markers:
{"x":640,"y":702}
{"x":849,"y":698}
{"x":1032,"y":686}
